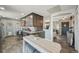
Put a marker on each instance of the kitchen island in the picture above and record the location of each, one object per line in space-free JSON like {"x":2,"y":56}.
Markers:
{"x":32,"y":44}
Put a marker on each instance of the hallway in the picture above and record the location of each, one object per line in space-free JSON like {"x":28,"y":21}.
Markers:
{"x":65,"y":46}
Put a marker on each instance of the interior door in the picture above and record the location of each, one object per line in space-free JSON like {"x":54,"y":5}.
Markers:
{"x":9,"y":28}
{"x":65,"y":28}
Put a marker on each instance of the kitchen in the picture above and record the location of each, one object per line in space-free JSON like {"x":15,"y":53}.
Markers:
{"x":30,"y":28}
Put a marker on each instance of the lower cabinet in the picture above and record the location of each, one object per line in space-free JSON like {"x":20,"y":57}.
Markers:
{"x":42,"y":34}
{"x":29,"y":49}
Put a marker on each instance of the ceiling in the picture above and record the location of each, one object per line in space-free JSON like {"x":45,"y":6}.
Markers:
{"x":18,"y":11}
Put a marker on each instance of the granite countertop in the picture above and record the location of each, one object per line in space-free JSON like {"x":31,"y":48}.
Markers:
{"x":30,"y":32}
{"x":43,"y":45}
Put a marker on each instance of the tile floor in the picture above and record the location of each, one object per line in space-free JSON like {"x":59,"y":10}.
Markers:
{"x":65,"y":46}
{"x":12,"y":45}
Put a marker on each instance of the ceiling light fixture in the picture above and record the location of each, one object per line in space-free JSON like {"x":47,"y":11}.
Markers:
{"x":22,"y":13}
{"x":2,"y":8}
{"x":16,"y":18}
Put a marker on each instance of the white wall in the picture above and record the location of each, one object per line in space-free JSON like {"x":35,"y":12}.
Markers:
{"x":10,"y":26}
{"x":77,"y":31}
{"x":29,"y":21}
{"x":47,"y":31}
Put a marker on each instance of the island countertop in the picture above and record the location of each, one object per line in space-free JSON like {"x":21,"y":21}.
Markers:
{"x":42,"y":45}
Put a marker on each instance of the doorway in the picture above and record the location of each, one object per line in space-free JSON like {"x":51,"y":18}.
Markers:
{"x":65,"y":28}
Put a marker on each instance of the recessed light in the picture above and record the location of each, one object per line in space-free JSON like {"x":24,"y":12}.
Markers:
{"x":2,"y":8}
{"x":22,"y":13}
{"x":16,"y":18}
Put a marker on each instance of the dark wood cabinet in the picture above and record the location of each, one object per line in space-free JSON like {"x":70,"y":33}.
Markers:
{"x":34,"y":20}
{"x":37,"y":20}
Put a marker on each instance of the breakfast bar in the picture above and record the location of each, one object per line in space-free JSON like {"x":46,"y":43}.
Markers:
{"x":32,"y":44}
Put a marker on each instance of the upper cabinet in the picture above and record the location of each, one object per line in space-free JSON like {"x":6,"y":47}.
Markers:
{"x":34,"y":20}
{"x":38,"y":21}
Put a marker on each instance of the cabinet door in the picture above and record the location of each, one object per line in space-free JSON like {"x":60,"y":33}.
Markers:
{"x":39,"y":21}
{"x":34,"y":21}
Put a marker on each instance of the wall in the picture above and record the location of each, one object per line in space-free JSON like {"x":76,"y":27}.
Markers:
{"x":46,"y":19}
{"x":56,"y":25}
{"x":77,"y":31}
{"x":10,"y":26}
{"x":47,"y":31}
{"x":29,"y":21}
